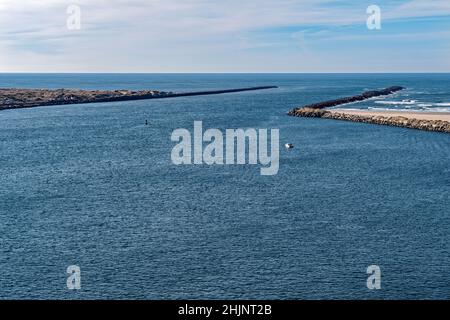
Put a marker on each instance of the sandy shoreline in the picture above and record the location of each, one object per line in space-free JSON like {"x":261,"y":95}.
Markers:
{"x":432,"y":116}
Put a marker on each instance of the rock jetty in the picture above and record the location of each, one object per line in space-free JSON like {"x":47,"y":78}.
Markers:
{"x":316,"y":111}
{"x":364,"y":96}
{"x":27,"y":98}
{"x":397,"y":121}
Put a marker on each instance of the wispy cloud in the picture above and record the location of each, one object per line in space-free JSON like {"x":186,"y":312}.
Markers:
{"x":191,"y":35}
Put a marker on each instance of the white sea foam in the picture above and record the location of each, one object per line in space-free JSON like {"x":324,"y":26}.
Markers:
{"x":397,"y":102}
{"x":443,"y":109}
{"x":347,"y":109}
{"x":410,"y":109}
{"x":390,"y":109}
{"x":414,"y":105}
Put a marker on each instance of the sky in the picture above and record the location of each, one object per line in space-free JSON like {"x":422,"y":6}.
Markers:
{"x":223,"y":36}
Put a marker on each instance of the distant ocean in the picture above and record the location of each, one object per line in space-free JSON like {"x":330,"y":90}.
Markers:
{"x":91,"y":185}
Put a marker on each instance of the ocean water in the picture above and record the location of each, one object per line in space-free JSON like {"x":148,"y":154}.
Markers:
{"x":91,"y":185}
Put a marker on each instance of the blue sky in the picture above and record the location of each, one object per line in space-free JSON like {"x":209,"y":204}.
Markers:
{"x":225,"y":36}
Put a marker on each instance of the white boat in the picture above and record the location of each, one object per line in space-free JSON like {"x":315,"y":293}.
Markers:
{"x":289,"y":146}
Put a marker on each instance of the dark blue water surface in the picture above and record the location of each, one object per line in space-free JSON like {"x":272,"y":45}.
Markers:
{"x":91,"y":185}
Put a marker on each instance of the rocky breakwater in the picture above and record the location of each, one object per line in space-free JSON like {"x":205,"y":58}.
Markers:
{"x":435,"y":122}
{"x":27,"y":98}
{"x":358,"y":98}
{"x":397,"y":121}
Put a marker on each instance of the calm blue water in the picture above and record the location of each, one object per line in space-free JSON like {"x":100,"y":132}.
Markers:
{"x":91,"y":185}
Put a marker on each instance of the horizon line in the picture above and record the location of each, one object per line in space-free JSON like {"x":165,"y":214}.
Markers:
{"x":319,"y":72}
